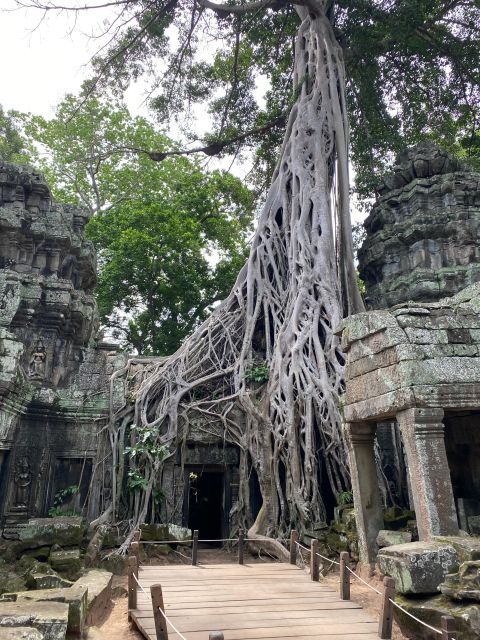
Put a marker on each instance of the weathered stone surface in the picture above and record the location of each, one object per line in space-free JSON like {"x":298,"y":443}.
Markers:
{"x":474,"y":525}
{"x":418,"y":567}
{"x":75,"y":597}
{"x":10,"y":580}
{"x":21,"y":633}
{"x":413,"y":374}
{"x":98,"y":585}
{"x":467,"y":548}
{"x":423,"y":240}
{"x":431,"y":610}
{"x":50,"y":618}
{"x":65,"y":531}
{"x":47,"y":581}
{"x":54,"y":367}
{"x":67,"y":562}
{"x":157,"y":532}
{"x":388,"y":538}
{"x":464,"y":584}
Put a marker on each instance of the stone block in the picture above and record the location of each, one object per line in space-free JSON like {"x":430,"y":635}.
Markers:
{"x":10,"y":581}
{"x":431,"y":610}
{"x":75,"y":597}
{"x":156,"y":532}
{"x":50,"y":618}
{"x":67,"y":562}
{"x":98,"y":584}
{"x":466,"y":547}
{"x":66,"y":531}
{"x":418,"y":567}
{"x":21,"y":633}
{"x":47,"y":581}
{"x":388,"y":538}
{"x":465,"y":584}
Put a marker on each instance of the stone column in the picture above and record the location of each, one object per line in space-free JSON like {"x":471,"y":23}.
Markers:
{"x":366,"y":493}
{"x":423,"y":438}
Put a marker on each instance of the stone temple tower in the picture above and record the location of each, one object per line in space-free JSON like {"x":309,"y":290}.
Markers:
{"x":423,"y":233}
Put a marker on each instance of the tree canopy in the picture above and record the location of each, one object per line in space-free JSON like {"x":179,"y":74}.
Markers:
{"x":412,"y":70}
{"x":171,"y":237}
{"x":13,"y":144}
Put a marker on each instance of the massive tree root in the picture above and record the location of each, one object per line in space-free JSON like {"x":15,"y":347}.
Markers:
{"x":296,"y":286}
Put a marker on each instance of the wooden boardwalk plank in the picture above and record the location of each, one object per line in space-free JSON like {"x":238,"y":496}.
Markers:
{"x":249,"y":602}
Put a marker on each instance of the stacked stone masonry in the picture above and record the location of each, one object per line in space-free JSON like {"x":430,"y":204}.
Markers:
{"x":55,"y":370}
{"x":423,"y":234}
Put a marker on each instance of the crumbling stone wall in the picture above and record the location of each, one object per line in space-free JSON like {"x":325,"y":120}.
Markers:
{"x":423,"y":233}
{"x":55,"y":370}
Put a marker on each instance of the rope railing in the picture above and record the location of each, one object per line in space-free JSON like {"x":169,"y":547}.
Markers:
{"x":156,"y":598}
{"x":135,"y":545}
{"x":447,"y":632}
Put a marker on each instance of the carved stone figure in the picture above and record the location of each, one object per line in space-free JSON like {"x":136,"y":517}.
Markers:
{"x":36,"y":367}
{"x":23,"y":480}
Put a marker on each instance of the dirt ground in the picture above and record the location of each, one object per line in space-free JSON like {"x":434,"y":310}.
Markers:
{"x":115,"y":625}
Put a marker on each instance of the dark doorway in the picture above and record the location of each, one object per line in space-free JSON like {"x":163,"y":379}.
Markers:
{"x":205,"y":504}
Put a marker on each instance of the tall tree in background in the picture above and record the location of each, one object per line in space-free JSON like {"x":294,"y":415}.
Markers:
{"x":13,"y":144}
{"x":400,"y":69}
{"x":154,"y":225}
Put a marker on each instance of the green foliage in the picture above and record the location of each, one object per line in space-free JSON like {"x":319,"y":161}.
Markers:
{"x":144,"y":447}
{"x":346,"y":497}
{"x":258,"y":372}
{"x":412,"y":71}
{"x":13,"y":144}
{"x":171,"y":237}
{"x":61,"y":497}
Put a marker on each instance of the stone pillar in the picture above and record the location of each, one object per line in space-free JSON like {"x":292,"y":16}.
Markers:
{"x":366,"y":494}
{"x":423,"y":438}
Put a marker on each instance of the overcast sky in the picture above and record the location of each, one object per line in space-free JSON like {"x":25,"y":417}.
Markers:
{"x":44,"y":60}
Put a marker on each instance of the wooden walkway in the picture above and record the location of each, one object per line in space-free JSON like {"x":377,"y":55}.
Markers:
{"x":249,"y":602}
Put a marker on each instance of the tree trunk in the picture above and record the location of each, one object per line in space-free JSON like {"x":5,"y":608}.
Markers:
{"x":297,"y":284}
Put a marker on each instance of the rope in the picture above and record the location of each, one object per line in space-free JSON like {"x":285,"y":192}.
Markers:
{"x":168,"y":621}
{"x":364,"y":581}
{"x":399,"y":606}
{"x":163,"y":541}
{"x":301,"y":546}
{"x":161,"y":611}
{"x":327,"y":559}
{"x":184,"y":541}
{"x":136,"y":580}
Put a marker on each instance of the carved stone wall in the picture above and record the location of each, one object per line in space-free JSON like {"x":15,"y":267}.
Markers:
{"x":423,"y":233}
{"x":54,"y":369}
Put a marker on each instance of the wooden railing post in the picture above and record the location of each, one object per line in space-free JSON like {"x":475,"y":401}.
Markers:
{"x":241,"y":540}
{"x":449,"y":631}
{"x":314,"y":560}
{"x":157,"y":604}
{"x":215,"y":635}
{"x":386,"y":615}
{"x":344,"y":575}
{"x":132,"y":585}
{"x":135,"y":551}
{"x":293,"y":546}
{"x":195,"y":547}
{"x":136,"y":536}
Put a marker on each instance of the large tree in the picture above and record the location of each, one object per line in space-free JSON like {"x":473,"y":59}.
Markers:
{"x":397,"y":69}
{"x":154,"y":225}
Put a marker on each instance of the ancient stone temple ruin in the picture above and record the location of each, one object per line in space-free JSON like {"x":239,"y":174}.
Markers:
{"x":55,"y":374}
{"x":413,"y":374}
{"x":55,"y":369}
